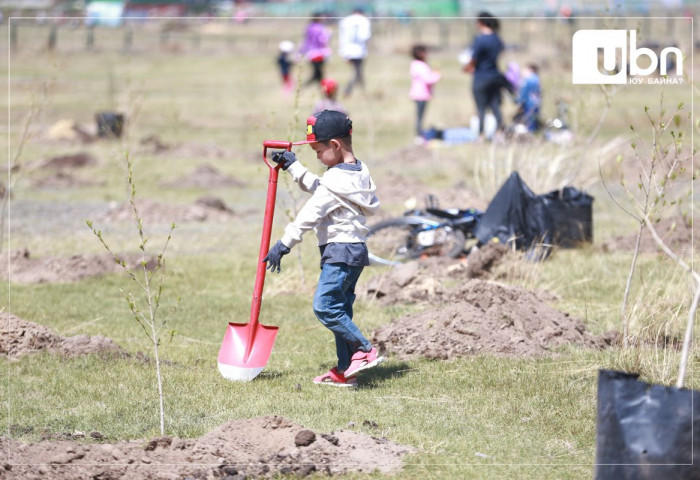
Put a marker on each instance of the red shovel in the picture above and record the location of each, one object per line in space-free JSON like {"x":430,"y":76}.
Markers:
{"x":247,"y":346}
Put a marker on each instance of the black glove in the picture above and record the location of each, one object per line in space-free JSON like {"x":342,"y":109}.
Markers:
{"x":274,"y":256}
{"x":286,"y":158}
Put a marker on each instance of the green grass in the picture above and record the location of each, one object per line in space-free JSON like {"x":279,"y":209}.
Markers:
{"x":532,"y":418}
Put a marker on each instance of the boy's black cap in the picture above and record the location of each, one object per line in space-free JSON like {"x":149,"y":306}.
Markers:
{"x":327,"y":125}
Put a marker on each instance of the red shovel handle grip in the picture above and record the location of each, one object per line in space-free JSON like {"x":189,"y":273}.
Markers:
{"x":277,"y":144}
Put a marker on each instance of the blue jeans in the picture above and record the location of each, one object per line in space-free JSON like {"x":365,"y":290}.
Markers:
{"x":335,"y":294}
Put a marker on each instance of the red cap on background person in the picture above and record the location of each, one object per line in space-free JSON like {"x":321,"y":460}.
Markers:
{"x":329,"y":86}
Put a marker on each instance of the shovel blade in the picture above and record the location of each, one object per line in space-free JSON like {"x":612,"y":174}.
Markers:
{"x":245,"y":350}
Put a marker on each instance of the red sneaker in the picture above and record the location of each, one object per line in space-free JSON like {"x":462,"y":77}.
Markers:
{"x":335,"y":379}
{"x":362,"y":361}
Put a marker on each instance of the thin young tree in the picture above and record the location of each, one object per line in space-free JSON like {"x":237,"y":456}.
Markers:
{"x":148,"y":275}
{"x":656,"y":172}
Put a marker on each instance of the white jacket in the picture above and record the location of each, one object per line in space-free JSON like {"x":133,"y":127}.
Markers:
{"x":353,"y":33}
{"x":342,"y":199}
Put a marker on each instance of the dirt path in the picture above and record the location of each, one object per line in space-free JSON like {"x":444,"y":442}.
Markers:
{"x":250,"y":448}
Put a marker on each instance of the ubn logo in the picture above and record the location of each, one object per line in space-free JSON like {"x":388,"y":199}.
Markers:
{"x":587,"y":44}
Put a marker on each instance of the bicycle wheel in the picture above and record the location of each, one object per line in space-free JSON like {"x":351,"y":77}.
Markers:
{"x":402,"y":239}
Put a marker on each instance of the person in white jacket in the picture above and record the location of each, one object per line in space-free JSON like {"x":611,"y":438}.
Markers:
{"x":354,"y":31}
{"x":337,"y":211}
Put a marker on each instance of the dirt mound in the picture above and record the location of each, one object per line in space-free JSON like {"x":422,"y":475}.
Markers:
{"x":204,"y":176}
{"x":484,"y":317}
{"x":64,"y":179}
{"x":676,"y":232}
{"x":151,"y":211}
{"x":262,"y":447}
{"x":154,"y":144}
{"x":20,"y":337}
{"x":427,"y":280}
{"x":69,"y":130}
{"x":413,"y":193}
{"x":23,"y":268}
{"x":78,"y":160}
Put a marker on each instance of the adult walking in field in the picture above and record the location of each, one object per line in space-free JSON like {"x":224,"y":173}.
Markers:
{"x":353,"y":33}
{"x":488,"y":80}
{"x":315,"y":48}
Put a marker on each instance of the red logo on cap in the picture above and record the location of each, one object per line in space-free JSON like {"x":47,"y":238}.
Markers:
{"x":310,"y":124}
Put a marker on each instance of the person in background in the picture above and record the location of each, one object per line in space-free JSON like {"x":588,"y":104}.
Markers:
{"x":423,"y":78}
{"x":285,"y":64}
{"x":329,"y":90}
{"x":315,"y":48}
{"x":529,"y":99}
{"x":488,"y":80}
{"x":353,"y":33}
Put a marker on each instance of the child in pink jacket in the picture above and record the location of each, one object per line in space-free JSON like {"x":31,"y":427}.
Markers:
{"x":422,"y":80}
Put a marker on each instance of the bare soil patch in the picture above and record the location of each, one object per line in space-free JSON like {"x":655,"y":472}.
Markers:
{"x":204,"y":176}
{"x":676,"y":232}
{"x":152,"y":211}
{"x":21,"y":267}
{"x":261,"y":447}
{"x":154,"y":144}
{"x":483,"y":317}
{"x":77,"y":160}
{"x":63,"y":179}
{"x":20,"y":337}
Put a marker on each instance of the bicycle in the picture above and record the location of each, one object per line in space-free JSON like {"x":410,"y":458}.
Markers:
{"x":418,"y":233}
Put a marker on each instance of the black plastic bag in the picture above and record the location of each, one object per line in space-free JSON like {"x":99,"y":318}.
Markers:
{"x":534,"y":223}
{"x":646,"y":431}
{"x":516,"y":217}
{"x":571,"y":213}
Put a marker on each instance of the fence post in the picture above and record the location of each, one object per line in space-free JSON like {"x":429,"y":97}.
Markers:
{"x":53,"y":37}
{"x":444,"y":33}
{"x":13,"y":35}
{"x":128,"y":38}
{"x":90,"y":38}
{"x":415,"y":32}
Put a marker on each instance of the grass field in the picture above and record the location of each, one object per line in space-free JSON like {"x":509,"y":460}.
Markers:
{"x":532,"y":418}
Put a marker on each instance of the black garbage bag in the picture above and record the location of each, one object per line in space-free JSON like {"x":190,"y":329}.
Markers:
{"x":534,"y":223}
{"x":571,"y":213}
{"x":516,"y":217}
{"x":646,"y":431}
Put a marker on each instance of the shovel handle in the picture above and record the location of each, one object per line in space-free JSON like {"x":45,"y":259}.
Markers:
{"x":276,"y":144}
{"x":266,"y":231}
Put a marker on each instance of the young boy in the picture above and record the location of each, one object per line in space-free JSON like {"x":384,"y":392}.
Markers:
{"x":529,"y":99}
{"x":285,"y":64}
{"x":329,"y":89}
{"x":337,"y":210}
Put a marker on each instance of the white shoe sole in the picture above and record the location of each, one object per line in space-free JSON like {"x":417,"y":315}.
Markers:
{"x":376,"y":362}
{"x":341,"y":385}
